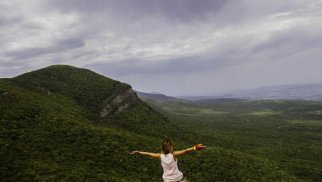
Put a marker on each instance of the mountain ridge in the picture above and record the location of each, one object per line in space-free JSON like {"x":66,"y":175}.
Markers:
{"x":153,"y":95}
{"x":279,"y":92}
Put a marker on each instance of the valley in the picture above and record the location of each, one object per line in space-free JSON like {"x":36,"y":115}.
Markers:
{"x":286,"y":132}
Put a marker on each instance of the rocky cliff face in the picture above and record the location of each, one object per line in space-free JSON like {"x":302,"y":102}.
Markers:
{"x":119,"y":102}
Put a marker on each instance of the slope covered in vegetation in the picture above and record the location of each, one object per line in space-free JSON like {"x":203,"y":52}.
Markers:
{"x":51,"y":129}
{"x":286,"y":132}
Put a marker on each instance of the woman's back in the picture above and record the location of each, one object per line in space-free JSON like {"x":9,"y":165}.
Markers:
{"x":170,"y":168}
{"x":168,"y":156}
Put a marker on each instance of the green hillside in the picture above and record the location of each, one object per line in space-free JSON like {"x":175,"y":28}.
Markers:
{"x":286,"y":132}
{"x":63,"y":123}
{"x":87,"y":88}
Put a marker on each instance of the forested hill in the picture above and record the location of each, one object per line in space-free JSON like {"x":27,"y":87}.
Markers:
{"x":63,"y":123}
{"x":90,"y":90}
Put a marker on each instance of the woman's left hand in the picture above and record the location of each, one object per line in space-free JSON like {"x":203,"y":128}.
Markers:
{"x":134,"y":152}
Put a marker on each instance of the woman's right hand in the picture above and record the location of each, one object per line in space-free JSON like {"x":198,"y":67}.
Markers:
{"x":199,"y":147}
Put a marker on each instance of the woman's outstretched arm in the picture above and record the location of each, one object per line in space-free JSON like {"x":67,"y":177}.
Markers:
{"x":185,"y":151}
{"x":154,"y":155}
{"x":182,"y":152}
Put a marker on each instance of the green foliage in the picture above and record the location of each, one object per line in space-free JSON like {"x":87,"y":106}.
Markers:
{"x":49,"y":131}
{"x":50,"y":138}
{"x":225,"y":165}
{"x":288,"y":133}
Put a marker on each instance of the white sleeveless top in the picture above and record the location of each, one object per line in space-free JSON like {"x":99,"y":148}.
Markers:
{"x":170,"y":168}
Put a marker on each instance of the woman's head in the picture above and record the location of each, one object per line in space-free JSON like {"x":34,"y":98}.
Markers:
{"x":167,"y":146}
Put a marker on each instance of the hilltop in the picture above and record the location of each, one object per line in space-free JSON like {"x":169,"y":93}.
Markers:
{"x":63,"y":123}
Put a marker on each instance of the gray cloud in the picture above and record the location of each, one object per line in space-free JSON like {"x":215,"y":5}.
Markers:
{"x":59,"y":46}
{"x":183,"y":66}
{"x":4,"y":21}
{"x":290,"y":42}
{"x":178,"y":47}
{"x":182,"y":10}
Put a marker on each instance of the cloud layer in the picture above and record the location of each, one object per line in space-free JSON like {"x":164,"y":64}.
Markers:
{"x":178,"y":47}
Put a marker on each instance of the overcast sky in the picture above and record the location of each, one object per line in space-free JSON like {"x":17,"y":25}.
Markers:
{"x":176,"y":47}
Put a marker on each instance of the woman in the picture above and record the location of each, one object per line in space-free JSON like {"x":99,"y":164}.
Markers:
{"x":171,"y":173}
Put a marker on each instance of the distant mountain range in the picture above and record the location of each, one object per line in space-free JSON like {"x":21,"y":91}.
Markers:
{"x":155,"y":96}
{"x":288,"y":92}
